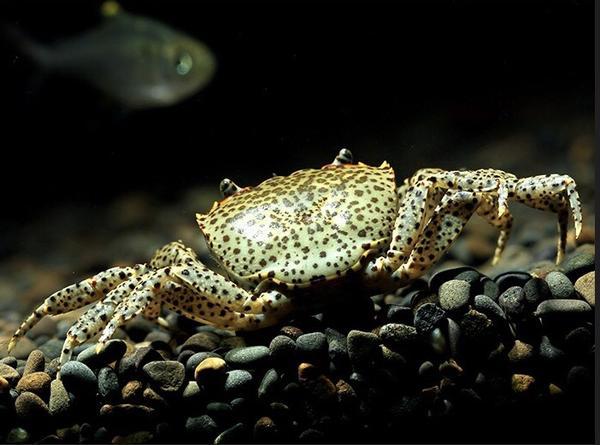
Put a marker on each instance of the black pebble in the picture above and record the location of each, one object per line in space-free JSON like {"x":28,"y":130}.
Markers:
{"x":512,"y":301}
{"x":312,"y":348}
{"x":510,"y":279}
{"x":427,"y":318}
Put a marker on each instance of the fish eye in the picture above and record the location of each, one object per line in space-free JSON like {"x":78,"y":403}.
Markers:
{"x":183,"y":63}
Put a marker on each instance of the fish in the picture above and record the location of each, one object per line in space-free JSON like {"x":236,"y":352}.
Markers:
{"x":138,"y":61}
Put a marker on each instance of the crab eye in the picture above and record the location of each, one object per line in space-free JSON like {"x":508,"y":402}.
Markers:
{"x":228,"y":187}
{"x":183,"y":63}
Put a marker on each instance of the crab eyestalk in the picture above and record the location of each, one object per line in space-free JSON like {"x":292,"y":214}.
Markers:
{"x":228,"y":188}
{"x":343,"y":157}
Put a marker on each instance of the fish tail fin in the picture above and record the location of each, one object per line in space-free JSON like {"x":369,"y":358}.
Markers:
{"x":39,"y":54}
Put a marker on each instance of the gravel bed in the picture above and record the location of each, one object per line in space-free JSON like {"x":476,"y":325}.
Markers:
{"x":466,"y":357}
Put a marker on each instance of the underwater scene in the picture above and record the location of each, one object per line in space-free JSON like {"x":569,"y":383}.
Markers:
{"x":297,"y":222}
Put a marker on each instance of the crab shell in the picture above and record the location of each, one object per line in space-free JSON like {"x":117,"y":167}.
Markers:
{"x":310,"y":226}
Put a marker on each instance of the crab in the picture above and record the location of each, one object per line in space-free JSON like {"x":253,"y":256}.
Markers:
{"x":298,"y":234}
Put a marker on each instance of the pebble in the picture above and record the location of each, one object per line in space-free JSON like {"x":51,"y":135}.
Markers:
{"x":127,"y":414}
{"x":210,"y":372}
{"x":337,"y":348}
{"x":10,"y":361}
{"x":579,"y":341}
{"x":268,"y":385}
{"x":477,"y":329}
{"x":166,"y":376}
{"x":4,"y":386}
{"x":35,"y":362}
{"x":312,"y":347}
{"x":586,"y":287}
{"x":438,"y":342}
{"x":363,"y":348}
{"x":399,"y":337}
{"x":25,"y":346}
{"x":522,"y":383}
{"x":108,"y":385}
{"x":113,"y":350}
{"x":78,"y":378}
{"x":234,"y":434}
{"x":192,"y":394}
{"x":536,"y":290}
{"x":512,"y":301}
{"x":450,"y":369}
{"x":560,"y":286}
{"x":30,"y":407}
{"x":248,"y":357}
{"x":220,"y":412}
{"x":144,"y":355}
{"x":9,"y":373}
{"x":52,"y":367}
{"x":265,"y":430}
{"x":201,"y":342}
{"x":520,"y":352}
{"x":202,"y":428}
{"x":132,"y":391}
{"x":489,"y":307}
{"x":35,"y":382}
{"x":454,"y":294}
{"x":489,"y":288}
{"x":311,"y":435}
{"x":194,"y":360}
{"x":291,"y":331}
{"x":60,"y":401}
{"x":232,"y":343}
{"x":454,"y":334}
{"x":427,"y":317}
{"x":580,"y":381}
{"x":562,"y":306}
{"x":282,"y":349}
{"x":138,"y":437}
{"x":550,"y":353}
{"x":400,"y":314}
{"x":52,"y":348}
{"x":578,"y":263}
{"x":238,"y":382}
{"x":18,"y":435}
{"x":511,"y":279}
{"x":445,"y":275}
{"x":427,"y":371}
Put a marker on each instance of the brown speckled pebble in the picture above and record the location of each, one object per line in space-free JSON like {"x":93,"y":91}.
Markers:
{"x":30,"y":406}
{"x":35,"y":362}
{"x":35,"y":382}
{"x":9,"y":373}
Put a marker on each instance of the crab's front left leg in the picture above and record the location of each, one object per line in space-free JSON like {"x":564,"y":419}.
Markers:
{"x":176,"y":280}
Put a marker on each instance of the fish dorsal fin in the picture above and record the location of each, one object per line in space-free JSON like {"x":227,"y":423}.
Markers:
{"x":110,"y":8}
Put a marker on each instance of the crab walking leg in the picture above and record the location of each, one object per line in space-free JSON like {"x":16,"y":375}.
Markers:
{"x":552,"y":192}
{"x":417,"y":201}
{"x":77,"y":296}
{"x":265,"y":310}
{"x":198,"y":293}
{"x":441,"y":230}
{"x":95,"y":318}
{"x":488,"y":209}
{"x":482,"y":180}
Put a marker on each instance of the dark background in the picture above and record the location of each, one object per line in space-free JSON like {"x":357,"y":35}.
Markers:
{"x":417,"y":83}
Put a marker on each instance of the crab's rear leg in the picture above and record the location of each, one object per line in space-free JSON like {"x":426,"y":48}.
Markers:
{"x":488,"y":209}
{"x":555,"y":193}
{"x":447,"y":222}
{"x":77,"y":296}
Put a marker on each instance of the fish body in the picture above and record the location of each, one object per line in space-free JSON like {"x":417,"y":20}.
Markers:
{"x":138,"y":61}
